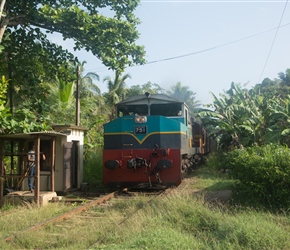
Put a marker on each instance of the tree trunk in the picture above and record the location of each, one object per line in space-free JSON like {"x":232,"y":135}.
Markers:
{"x":3,"y":27}
{"x":1,"y":8}
{"x":4,"y":24}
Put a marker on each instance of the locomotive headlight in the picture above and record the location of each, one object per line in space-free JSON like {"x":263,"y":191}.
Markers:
{"x":140,"y":119}
{"x":137,"y":119}
{"x":143,"y":119}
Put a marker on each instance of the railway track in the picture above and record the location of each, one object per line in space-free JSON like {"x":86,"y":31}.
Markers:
{"x":91,"y":221}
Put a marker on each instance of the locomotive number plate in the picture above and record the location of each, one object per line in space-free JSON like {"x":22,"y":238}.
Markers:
{"x":140,"y":130}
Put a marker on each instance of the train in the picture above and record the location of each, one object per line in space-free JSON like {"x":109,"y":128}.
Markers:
{"x":152,"y":141}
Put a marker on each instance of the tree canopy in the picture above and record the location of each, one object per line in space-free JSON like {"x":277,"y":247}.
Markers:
{"x":110,"y":38}
{"x":35,"y":66}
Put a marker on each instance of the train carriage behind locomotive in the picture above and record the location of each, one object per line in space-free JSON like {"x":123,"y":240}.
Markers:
{"x":152,"y":140}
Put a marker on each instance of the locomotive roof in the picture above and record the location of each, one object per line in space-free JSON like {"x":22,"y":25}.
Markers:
{"x":154,"y":98}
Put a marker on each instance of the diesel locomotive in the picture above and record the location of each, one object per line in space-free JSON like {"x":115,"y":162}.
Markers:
{"x":153,"y":140}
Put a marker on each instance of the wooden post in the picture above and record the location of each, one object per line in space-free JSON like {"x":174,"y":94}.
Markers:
{"x":37,"y":170}
{"x":1,"y":170}
{"x":52,"y":164}
{"x":21,"y":166}
{"x":12,"y":162}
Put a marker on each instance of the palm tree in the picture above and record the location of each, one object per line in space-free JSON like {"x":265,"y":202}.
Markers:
{"x":61,"y":102}
{"x":88,"y":88}
{"x":116,"y":91}
{"x":183,"y":93}
{"x":92,"y":101}
{"x":152,"y":88}
{"x":62,"y":98}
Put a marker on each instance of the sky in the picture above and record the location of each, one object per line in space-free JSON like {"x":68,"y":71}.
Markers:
{"x":206,"y":45}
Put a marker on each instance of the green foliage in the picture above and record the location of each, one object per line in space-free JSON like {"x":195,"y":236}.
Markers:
{"x":60,"y":102}
{"x":93,"y":171}
{"x":5,"y":115}
{"x":28,"y":64}
{"x":32,"y":62}
{"x":152,"y":88}
{"x":235,"y":118}
{"x":22,"y":121}
{"x":183,"y":93}
{"x":110,"y":38}
{"x":187,"y":221}
{"x":263,"y":173}
{"x":94,"y":136}
{"x":212,"y":176}
{"x":6,"y":207}
{"x":116,"y":91}
{"x":3,"y":90}
{"x":278,"y":120}
{"x":242,"y":117}
{"x":277,"y":87}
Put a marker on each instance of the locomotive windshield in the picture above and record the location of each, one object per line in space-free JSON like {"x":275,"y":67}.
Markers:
{"x":168,"y":109}
{"x":125,"y":110}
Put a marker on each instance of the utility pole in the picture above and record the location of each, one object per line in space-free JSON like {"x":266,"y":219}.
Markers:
{"x":78,"y":96}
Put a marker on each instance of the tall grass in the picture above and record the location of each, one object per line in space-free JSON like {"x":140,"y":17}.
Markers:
{"x":19,"y":217}
{"x":187,"y":221}
{"x":93,"y":172}
{"x":181,"y":219}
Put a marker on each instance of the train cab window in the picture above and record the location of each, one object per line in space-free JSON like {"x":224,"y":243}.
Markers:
{"x":169,"y":109}
{"x":130,"y":110}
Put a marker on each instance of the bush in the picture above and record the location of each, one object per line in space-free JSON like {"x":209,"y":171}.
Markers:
{"x":263,"y":173}
{"x":93,"y":172}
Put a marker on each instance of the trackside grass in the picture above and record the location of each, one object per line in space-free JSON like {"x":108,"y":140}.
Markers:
{"x":184,"y":218}
{"x":188,"y":220}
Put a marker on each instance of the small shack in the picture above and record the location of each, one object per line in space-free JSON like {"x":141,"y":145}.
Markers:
{"x":61,"y":171}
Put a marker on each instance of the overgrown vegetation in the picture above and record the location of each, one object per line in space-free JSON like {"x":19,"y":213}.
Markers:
{"x":262,"y":174}
{"x":243,"y":117}
{"x":185,"y":218}
{"x":93,"y":172}
{"x":186,"y":221}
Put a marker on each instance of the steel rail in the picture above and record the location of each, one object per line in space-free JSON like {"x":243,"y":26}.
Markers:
{"x":65,"y":215}
{"x":127,"y":217}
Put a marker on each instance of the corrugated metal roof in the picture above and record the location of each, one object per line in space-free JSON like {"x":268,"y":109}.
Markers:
{"x":31,"y":134}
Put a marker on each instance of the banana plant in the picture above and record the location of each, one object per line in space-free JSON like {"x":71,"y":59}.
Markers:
{"x":235,"y":117}
{"x":279,"y":121}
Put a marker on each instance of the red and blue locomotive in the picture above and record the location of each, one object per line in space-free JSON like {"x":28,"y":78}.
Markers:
{"x":152,"y":140}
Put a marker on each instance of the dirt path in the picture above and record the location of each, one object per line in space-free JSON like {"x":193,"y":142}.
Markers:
{"x":211,"y":196}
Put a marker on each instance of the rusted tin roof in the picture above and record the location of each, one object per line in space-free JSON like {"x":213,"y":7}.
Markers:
{"x":32,"y":134}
